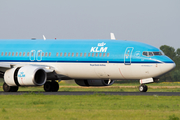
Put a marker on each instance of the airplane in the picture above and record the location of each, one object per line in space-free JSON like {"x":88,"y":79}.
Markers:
{"x":40,"y":62}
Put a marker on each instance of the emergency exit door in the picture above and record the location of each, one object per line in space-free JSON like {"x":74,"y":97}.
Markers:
{"x":128,"y":55}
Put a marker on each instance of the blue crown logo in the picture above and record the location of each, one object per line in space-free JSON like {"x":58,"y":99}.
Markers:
{"x":101,"y":44}
{"x":21,"y":74}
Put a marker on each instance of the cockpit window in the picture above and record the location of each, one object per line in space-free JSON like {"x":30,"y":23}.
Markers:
{"x":157,"y":53}
{"x":145,"y":53}
{"x":149,"y":54}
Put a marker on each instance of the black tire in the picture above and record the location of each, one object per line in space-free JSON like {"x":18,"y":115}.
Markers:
{"x":14,"y":88}
{"x":143,"y":88}
{"x":6,"y":88}
{"x":48,"y":86}
{"x":55,"y":86}
{"x":146,"y":88}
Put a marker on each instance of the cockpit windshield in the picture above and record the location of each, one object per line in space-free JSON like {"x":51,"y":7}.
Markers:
{"x":157,"y":53}
{"x":149,"y":54}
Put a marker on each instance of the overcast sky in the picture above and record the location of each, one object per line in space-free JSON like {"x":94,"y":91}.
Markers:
{"x":155,"y":22}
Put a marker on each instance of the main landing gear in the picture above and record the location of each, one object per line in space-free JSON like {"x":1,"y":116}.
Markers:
{"x":143,"y":88}
{"x":8,"y":88}
{"x":48,"y":87}
{"x":51,"y":86}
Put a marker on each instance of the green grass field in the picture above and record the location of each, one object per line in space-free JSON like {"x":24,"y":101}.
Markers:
{"x":32,"y":106}
{"x":86,"y":107}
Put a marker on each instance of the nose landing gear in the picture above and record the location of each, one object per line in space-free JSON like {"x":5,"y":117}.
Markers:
{"x":143,"y":88}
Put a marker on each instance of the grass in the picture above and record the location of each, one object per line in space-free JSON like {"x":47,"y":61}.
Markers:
{"x":86,"y":107}
{"x":99,"y":106}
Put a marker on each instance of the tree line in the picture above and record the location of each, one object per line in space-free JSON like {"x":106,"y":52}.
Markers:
{"x":174,"y":75}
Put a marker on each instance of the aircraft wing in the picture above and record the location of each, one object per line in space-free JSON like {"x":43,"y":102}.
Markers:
{"x":4,"y":66}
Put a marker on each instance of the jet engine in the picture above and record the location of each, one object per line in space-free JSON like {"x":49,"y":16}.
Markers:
{"x":25,"y":76}
{"x":94,"y":82}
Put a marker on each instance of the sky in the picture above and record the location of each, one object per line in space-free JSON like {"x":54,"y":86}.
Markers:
{"x":155,"y":22}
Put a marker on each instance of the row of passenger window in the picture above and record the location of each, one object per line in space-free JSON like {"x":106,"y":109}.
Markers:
{"x":24,"y":54}
{"x":57,"y":54}
{"x":81,"y":54}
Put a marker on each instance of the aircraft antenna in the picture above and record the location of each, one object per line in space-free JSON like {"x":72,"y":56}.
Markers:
{"x":44,"y":37}
{"x":112,"y":36}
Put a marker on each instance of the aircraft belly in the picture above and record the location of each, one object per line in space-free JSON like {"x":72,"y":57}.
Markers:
{"x":105,"y":70}
{"x":110,"y":71}
{"x":139,"y":71}
{"x":91,"y":71}
{"x":79,"y":70}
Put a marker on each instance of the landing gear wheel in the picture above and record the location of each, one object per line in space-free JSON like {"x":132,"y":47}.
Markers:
{"x":51,"y":86}
{"x":48,"y":86}
{"x":8,"y":88}
{"x":143,"y":88}
{"x":14,"y":88}
{"x":55,"y":86}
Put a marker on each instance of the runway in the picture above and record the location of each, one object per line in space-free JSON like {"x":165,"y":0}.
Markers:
{"x":92,"y":93}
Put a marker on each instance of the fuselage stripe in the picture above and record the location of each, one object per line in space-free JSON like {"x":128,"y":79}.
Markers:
{"x":121,"y":73}
{"x":81,"y":61}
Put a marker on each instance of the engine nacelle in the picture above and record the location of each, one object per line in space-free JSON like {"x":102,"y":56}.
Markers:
{"x":94,"y":82}
{"x":25,"y":76}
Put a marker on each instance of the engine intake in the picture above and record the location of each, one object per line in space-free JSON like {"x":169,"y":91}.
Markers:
{"x":25,"y":76}
{"x":94,"y":82}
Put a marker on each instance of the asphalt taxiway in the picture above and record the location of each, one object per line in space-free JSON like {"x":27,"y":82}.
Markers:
{"x":91,"y":93}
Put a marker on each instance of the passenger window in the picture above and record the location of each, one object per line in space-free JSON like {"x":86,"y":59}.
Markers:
{"x":64,"y":54}
{"x":69,"y":54}
{"x":32,"y":54}
{"x":57,"y":54}
{"x":39,"y":53}
{"x":28,"y":54}
{"x":84,"y":54}
{"x":76,"y":54}
{"x":89,"y":54}
{"x":12,"y":53}
{"x":96,"y":54}
{"x":108,"y":55}
{"x":145,"y":53}
{"x":42,"y":53}
{"x":92,"y":54}
{"x":20,"y":54}
{"x":72,"y":54}
{"x":5,"y":53}
{"x":104,"y":54}
{"x":50,"y":54}
{"x":24,"y":53}
{"x":100,"y":54}
{"x":46,"y":54}
{"x":81,"y":54}
{"x":16,"y":53}
{"x":9,"y":53}
{"x":61,"y":54}
{"x":2,"y":54}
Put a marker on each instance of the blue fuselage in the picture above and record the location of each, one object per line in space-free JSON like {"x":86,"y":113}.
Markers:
{"x":79,"y":51}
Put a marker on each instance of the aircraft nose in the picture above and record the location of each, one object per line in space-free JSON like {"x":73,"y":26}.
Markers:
{"x":167,"y":67}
